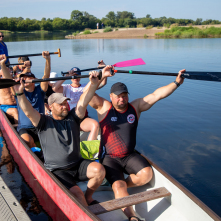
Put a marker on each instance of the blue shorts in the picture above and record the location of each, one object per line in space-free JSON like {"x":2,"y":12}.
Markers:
{"x":6,"y":107}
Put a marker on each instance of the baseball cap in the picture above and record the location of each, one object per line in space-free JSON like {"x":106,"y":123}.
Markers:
{"x":119,"y":88}
{"x":28,"y":74}
{"x":57,"y":98}
{"x":77,"y":70}
{"x":53,"y":75}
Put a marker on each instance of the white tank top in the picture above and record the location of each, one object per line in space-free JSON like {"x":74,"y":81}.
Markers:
{"x":73,"y":93}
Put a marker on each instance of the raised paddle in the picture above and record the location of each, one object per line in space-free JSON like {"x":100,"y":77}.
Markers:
{"x":194,"y":75}
{"x":5,"y":83}
{"x":17,"y":64}
{"x":38,"y":54}
{"x":134,"y":62}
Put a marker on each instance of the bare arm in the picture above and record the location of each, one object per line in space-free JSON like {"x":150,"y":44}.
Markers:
{"x":5,"y":71}
{"x":147,"y":102}
{"x":88,"y":94}
{"x":47,"y":70}
{"x":57,"y":86}
{"x":26,"y":106}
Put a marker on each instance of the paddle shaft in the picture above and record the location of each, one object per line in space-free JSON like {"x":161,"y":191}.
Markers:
{"x":88,"y":69}
{"x":17,"y":64}
{"x":194,"y":75}
{"x":5,"y":83}
{"x":38,"y":54}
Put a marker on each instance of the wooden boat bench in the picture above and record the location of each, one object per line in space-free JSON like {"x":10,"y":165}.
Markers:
{"x":133,"y":199}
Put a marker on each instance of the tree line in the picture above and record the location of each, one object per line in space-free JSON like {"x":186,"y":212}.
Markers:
{"x":81,"y":20}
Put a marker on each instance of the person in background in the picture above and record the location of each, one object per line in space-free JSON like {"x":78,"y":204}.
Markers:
{"x":74,"y":91}
{"x":49,"y":92}
{"x":60,"y":139}
{"x":118,"y":121}
{"x":102,"y":25}
{"x":24,"y":67}
{"x":3,"y":47}
{"x":35,"y":95}
{"x":97,"y":25}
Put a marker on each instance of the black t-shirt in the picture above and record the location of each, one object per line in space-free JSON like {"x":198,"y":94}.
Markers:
{"x":60,"y":140}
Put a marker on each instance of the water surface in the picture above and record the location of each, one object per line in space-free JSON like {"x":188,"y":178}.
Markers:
{"x":180,"y":133}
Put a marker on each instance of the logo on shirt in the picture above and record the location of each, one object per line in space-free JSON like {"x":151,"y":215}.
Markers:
{"x":113,"y":118}
{"x":130,"y":118}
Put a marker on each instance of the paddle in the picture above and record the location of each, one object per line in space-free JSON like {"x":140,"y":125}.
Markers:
{"x":17,"y":64}
{"x":134,"y":62}
{"x":5,"y":83}
{"x":38,"y":54}
{"x":194,"y":75}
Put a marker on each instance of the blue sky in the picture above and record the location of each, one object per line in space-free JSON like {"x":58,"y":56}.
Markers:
{"x":37,"y":9}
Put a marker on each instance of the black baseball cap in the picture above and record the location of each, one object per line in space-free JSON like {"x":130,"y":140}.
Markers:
{"x":28,"y":74}
{"x":119,"y":88}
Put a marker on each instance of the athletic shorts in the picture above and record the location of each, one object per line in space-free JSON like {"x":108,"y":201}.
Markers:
{"x":31,"y":131}
{"x":69,"y":177}
{"x":6,"y":107}
{"x":116,"y":167}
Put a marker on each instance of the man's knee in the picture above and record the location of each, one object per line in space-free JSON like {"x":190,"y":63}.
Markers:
{"x":144,"y":175}
{"x":97,"y":170}
{"x":119,"y":185}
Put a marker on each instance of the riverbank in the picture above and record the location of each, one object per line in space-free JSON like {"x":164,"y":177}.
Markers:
{"x":128,"y":32}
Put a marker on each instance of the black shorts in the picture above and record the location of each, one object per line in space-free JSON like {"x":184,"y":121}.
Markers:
{"x":31,"y":131}
{"x":69,"y":177}
{"x":116,"y":167}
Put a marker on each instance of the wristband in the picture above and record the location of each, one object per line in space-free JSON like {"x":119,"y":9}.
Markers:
{"x":176,"y":83}
{"x":19,"y":94}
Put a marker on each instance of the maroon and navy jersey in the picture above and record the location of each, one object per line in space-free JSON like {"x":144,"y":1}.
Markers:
{"x":118,"y":132}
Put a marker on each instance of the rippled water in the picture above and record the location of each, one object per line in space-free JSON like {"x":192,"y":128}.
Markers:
{"x":181,"y":133}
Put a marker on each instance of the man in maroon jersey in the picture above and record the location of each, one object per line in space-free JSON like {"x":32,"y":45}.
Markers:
{"x":118,"y":121}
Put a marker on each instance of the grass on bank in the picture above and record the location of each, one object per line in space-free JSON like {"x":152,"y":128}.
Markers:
{"x":190,"y":32}
{"x":108,"y":29}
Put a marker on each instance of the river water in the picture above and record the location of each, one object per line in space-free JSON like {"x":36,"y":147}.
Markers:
{"x":181,"y":133}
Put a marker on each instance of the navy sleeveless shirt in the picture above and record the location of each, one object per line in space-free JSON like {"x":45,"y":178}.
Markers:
{"x":118,"y":132}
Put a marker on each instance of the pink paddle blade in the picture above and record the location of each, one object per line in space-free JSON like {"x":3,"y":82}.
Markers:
{"x":134,"y":62}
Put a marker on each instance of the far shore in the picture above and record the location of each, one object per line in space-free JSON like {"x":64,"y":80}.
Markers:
{"x":127,"y":33}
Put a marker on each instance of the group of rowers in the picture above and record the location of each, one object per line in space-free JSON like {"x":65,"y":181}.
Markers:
{"x":55,"y":113}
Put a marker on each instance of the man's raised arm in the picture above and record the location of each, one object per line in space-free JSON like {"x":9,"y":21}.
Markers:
{"x":47,"y":70}
{"x":25,"y":105}
{"x":89,"y":93}
{"x":143,"y":104}
{"x":5,"y":70}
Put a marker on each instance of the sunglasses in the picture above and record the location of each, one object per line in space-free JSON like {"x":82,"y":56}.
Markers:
{"x":2,"y":36}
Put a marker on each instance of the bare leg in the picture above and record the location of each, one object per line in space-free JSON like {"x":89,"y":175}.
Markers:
{"x":28,"y":139}
{"x":141,"y":178}
{"x":78,"y":193}
{"x":120,"y":190}
{"x":13,"y":112}
{"x":96,"y":174}
{"x":92,"y":126}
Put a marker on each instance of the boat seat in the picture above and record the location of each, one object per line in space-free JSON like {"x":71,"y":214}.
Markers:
{"x":133,"y":199}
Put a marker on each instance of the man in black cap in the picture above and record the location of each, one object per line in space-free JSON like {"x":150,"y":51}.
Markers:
{"x":118,"y":122}
{"x":59,"y":135}
{"x":35,"y":94}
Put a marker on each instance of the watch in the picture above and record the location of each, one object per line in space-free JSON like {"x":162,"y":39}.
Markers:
{"x":19,"y":94}
{"x":176,"y":83}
